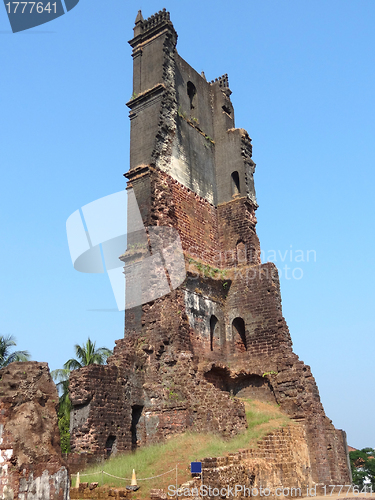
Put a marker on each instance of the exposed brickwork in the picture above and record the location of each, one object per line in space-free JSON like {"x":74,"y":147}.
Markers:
{"x":281,"y":460}
{"x":30,"y":458}
{"x":155,"y":372}
{"x":221,"y":332}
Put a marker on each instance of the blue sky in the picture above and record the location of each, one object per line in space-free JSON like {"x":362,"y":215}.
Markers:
{"x":302,"y":74}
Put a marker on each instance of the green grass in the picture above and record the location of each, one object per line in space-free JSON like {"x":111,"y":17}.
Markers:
{"x":182,"y":449}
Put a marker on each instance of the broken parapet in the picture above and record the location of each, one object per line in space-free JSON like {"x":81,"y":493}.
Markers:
{"x":31,"y":465}
{"x":222,"y":80}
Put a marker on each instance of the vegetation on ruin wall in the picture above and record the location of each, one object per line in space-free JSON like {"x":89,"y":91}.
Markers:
{"x":206,"y":270}
{"x":153,"y":460}
{"x":194,"y":122}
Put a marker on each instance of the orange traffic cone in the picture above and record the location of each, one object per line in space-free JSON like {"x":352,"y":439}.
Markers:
{"x":134,"y":479}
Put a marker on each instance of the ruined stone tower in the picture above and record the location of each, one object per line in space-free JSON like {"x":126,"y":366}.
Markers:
{"x":220,"y":333}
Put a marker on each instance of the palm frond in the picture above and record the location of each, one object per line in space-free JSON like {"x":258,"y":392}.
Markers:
{"x":7,"y":357}
{"x":72,"y":364}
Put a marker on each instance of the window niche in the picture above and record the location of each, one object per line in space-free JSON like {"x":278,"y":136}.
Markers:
{"x":191,"y":92}
{"x":214,"y":332}
{"x":239,"y":335}
{"x":241,"y":253}
{"x":136,"y":415}
{"x":110,"y":445}
{"x":235,"y":184}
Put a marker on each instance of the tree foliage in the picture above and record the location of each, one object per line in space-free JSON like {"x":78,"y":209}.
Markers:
{"x":6,"y":356}
{"x":87,"y":354}
{"x":61,"y":378}
{"x":363,"y":467}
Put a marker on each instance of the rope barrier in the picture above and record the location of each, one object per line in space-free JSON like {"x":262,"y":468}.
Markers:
{"x":124,"y":478}
{"x":92,"y":474}
{"x":153,"y":477}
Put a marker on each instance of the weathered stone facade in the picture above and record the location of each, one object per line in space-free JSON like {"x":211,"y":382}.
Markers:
{"x":31,"y":466}
{"x":220,"y":333}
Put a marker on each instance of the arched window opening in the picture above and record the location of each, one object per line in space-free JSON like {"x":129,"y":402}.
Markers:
{"x":214,"y":327}
{"x":191,"y":91}
{"x":235,"y":183}
{"x":239,"y":335}
{"x":110,"y":445}
{"x":241,"y":253}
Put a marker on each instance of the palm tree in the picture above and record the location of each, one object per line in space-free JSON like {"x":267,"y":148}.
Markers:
{"x":7,"y":357}
{"x":61,"y":377}
{"x":87,"y":354}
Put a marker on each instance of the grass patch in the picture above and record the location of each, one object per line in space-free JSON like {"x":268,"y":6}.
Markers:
{"x":153,"y":460}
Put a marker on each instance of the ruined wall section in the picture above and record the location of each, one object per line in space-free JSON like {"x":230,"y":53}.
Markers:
{"x":163,"y":201}
{"x":100,"y":411}
{"x":181,"y":123}
{"x":282,"y":378}
{"x":153,"y":105}
{"x":298,"y":395}
{"x":193,"y":216}
{"x":255,"y":297}
{"x":175,"y":396}
{"x":281,"y":460}
{"x":193,"y":157}
{"x":238,"y":241}
{"x":152,"y":387}
{"x":31,"y":465}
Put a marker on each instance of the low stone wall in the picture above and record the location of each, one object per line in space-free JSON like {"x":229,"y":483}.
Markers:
{"x":281,"y":460}
{"x":93,"y":492}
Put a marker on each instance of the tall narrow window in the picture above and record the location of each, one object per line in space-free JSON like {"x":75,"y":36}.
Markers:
{"x":136,"y":415}
{"x":213,"y":334}
{"x":239,"y":335}
{"x":235,"y":183}
{"x":191,"y":91}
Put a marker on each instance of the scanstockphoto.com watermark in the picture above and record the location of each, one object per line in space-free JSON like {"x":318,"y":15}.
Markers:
{"x":232,"y":491}
{"x":240,"y":490}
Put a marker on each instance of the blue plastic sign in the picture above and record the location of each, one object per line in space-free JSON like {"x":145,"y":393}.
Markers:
{"x":196,"y":467}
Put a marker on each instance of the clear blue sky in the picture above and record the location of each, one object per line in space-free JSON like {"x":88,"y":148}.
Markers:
{"x":302,"y":74}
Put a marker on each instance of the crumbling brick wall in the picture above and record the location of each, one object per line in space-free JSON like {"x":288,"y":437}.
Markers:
{"x":280,"y":460}
{"x":31,"y":466}
{"x":150,"y":389}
